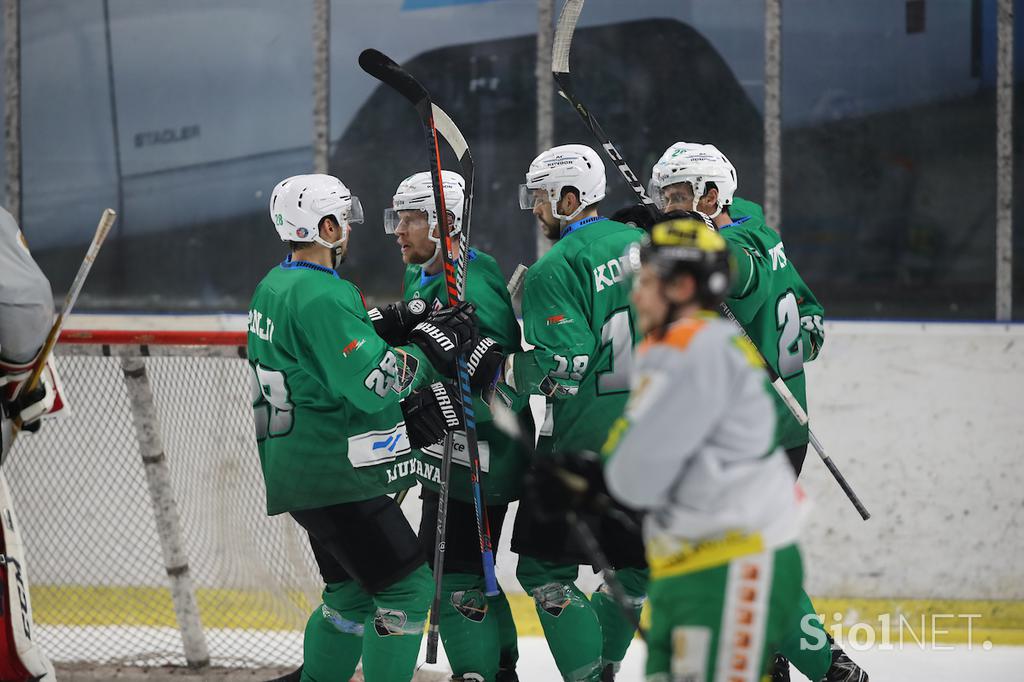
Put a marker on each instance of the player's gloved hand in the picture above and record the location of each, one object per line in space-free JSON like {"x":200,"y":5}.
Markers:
{"x":431,"y":412}
{"x":486,"y":359}
{"x":30,"y":407}
{"x":634,"y":214}
{"x":568,"y":481}
{"x":445,"y":334}
{"x":394,"y":321}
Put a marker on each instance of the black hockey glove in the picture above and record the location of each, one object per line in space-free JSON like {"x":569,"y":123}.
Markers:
{"x":445,"y":334}
{"x":485,"y":359}
{"x":636,"y":215}
{"x":394,"y":321}
{"x":432,"y":412}
{"x":568,"y":481}
{"x":24,"y":400}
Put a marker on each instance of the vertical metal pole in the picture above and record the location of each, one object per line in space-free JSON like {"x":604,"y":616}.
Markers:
{"x":1004,"y":161}
{"x":165,"y":510}
{"x":12,"y":106}
{"x":545,"y":91}
{"x":321,"y":83}
{"x":773,"y":113}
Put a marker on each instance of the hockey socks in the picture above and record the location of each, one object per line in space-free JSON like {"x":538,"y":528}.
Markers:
{"x":570,"y":624}
{"x":814,"y":658}
{"x":469,"y":627}
{"x":508,"y":638}
{"x":333,"y":641}
{"x":384,"y":629}
{"x":617,"y":631}
{"x":393,"y":631}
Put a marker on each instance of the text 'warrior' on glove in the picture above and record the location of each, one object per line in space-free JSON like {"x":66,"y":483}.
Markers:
{"x":431,"y":412}
{"x":445,"y":334}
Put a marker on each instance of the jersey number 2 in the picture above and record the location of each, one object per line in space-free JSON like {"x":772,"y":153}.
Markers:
{"x":271,"y":408}
{"x":617,"y":331}
{"x":791,"y":346}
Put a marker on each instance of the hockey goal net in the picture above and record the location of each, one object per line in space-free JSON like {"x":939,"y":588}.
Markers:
{"x":143,"y":513}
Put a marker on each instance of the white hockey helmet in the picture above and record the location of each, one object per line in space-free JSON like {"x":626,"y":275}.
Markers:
{"x":416,"y":193}
{"x":568,"y":165}
{"x":697,"y":164}
{"x":299,"y":203}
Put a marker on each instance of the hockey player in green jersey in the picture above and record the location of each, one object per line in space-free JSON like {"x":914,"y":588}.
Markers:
{"x":478,"y":632}
{"x":337,"y":411}
{"x":696,"y":448}
{"x":779,"y":312}
{"x":576,"y":314}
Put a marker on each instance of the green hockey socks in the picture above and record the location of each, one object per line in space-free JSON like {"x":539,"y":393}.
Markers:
{"x":570,"y":624}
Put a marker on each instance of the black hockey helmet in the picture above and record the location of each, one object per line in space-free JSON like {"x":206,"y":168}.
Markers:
{"x":687,"y":242}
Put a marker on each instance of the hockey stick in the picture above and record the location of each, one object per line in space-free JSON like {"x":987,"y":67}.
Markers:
{"x":515,"y":283}
{"x":507,"y":421}
{"x":102,"y":229}
{"x":390,"y":73}
{"x":564,"y":30}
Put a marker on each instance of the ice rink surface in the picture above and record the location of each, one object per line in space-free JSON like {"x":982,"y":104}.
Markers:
{"x":911,"y":664}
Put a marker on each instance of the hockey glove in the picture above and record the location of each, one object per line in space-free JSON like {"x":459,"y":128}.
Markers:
{"x":486,"y":360}
{"x":394,"y":321}
{"x":445,"y":334}
{"x":430,"y":413}
{"x":568,"y":481}
{"x":636,"y":215}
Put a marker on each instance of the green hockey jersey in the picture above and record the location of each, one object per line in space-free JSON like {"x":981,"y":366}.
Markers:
{"x":326,"y":392}
{"x":503,"y":461}
{"x":577,"y":315}
{"x":775,"y":306}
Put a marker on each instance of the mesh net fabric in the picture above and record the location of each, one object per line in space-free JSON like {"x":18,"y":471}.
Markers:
{"x":99,"y":588}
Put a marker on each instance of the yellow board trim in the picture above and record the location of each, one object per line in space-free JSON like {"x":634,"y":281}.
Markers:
{"x":1000,"y":622}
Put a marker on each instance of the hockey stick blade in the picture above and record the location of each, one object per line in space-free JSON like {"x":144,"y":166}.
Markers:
{"x":388,"y":71}
{"x":561,"y":46}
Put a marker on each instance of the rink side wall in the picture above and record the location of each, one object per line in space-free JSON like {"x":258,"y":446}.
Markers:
{"x":926,"y":422}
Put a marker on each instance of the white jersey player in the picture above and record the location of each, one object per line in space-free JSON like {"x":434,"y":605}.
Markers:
{"x":26,"y":315}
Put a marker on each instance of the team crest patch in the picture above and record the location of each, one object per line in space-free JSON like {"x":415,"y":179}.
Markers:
{"x":472,"y":604}
{"x":389,"y":622}
{"x":417,"y":306}
{"x":556,"y":320}
{"x":352,"y":347}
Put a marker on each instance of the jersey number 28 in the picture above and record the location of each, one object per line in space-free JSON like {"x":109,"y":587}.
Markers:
{"x":271,"y":408}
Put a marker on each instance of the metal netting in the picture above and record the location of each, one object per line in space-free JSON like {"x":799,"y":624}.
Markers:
{"x":99,"y":587}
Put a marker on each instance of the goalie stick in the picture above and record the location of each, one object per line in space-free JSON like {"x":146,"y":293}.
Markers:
{"x":107,"y":219}
{"x":433,"y":119}
{"x":561,"y":46}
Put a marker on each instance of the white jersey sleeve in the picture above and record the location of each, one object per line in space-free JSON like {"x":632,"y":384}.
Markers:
{"x":696,"y":446}
{"x":26,"y":301}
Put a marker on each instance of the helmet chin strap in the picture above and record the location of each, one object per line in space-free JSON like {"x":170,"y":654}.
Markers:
{"x":437,"y":252}
{"x":337,"y":257}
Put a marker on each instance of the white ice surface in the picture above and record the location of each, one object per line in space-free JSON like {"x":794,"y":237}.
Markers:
{"x":909,"y":664}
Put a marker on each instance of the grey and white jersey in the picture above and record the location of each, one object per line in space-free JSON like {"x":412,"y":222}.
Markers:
{"x":696,"y":447}
{"x":26,"y":301}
